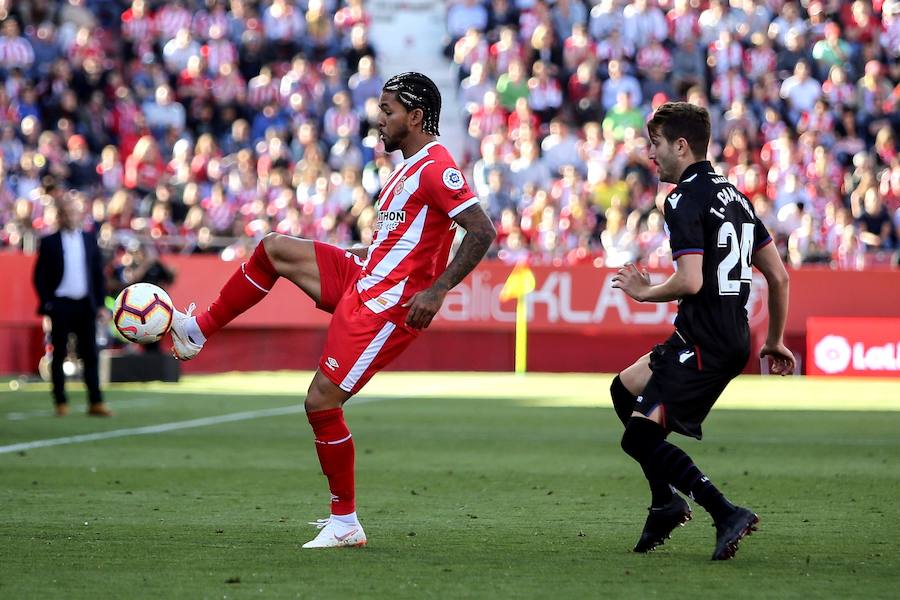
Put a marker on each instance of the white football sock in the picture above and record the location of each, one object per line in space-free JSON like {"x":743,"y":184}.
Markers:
{"x":193,"y":331}
{"x":346,"y":519}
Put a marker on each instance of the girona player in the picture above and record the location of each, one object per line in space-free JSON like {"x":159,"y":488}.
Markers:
{"x":381,"y":297}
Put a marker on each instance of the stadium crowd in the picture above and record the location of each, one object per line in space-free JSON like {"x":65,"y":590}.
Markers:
{"x":202,"y":125}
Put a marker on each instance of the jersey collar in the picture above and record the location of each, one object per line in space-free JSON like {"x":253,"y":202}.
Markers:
{"x":420,"y":154}
{"x":696,"y":169}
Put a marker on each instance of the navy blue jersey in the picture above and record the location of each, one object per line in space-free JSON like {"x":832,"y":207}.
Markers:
{"x":706,"y":215}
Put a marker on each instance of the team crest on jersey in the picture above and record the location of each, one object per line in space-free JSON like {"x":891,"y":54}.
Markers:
{"x":453,"y":179}
{"x":389,"y":220}
{"x":399,"y":187}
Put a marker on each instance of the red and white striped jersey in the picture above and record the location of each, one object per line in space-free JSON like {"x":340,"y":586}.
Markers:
{"x":839,"y":94}
{"x":726,"y":56}
{"x":758,"y":61}
{"x":729,"y":87}
{"x":170,"y":19}
{"x":261,"y":91}
{"x":217,"y":52}
{"x":227,"y":89}
{"x":204,"y":20}
{"x":15,"y":53}
{"x":336,"y":120}
{"x":138,"y":29}
{"x":683,"y":25}
{"x":414,"y":230}
{"x":575,"y":53}
{"x":610,"y":49}
{"x":654,"y":56}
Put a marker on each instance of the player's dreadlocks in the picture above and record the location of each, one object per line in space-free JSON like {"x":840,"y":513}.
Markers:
{"x":415,"y":90}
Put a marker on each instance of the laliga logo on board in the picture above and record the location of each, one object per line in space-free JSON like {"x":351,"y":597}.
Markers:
{"x":834,"y":354}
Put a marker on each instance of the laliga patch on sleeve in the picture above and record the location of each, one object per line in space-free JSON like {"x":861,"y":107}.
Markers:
{"x":453,"y":179}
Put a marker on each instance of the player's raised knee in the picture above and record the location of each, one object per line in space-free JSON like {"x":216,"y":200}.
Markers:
{"x":273,"y":243}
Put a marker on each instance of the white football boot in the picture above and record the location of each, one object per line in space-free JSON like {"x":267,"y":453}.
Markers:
{"x":183,"y":347}
{"x":337,"y":534}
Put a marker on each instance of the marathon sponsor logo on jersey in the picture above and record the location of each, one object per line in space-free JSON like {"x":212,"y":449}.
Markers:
{"x":453,"y":179}
{"x":389,"y":220}
{"x":729,"y":195}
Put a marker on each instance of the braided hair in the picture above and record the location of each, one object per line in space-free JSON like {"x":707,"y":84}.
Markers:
{"x":415,"y":90}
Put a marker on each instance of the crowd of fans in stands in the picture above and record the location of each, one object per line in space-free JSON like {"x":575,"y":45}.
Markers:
{"x":202,"y":125}
{"x":804,"y":99}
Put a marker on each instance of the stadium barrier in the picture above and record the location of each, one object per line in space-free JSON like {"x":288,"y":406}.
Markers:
{"x":577,"y":322}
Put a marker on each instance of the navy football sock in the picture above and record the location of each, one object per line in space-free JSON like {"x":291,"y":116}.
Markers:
{"x":660,"y":490}
{"x":645,"y":441}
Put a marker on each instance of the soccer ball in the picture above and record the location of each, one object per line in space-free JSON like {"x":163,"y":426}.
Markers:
{"x":143,"y":313}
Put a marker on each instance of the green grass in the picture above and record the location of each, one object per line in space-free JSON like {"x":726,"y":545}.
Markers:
{"x":469,"y":486}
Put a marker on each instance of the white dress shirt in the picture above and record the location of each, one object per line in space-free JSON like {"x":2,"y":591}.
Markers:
{"x":74,"y":282}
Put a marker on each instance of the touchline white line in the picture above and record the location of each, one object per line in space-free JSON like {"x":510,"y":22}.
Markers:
{"x":164,"y":427}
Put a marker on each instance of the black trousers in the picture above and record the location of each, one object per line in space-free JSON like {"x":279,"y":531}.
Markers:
{"x":78,"y":317}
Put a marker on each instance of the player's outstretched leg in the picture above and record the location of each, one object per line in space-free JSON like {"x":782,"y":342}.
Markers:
{"x":247,"y":286}
{"x":334,"y":446}
{"x":644,"y":440}
{"x":275,"y":256}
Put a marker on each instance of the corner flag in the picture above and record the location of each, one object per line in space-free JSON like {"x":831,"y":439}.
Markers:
{"x":518,"y":285}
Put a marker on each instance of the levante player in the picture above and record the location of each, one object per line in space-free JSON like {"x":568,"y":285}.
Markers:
{"x":716,"y":239}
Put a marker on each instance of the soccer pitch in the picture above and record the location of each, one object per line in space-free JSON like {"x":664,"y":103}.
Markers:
{"x":470,"y":485}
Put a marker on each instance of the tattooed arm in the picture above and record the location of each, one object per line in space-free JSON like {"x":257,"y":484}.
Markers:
{"x":479,"y":235}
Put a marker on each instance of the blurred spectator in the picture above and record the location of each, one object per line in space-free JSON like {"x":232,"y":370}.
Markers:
{"x":619,"y":81}
{"x":512,"y":85}
{"x":874,"y":222}
{"x":560,"y":148}
{"x":365,"y":83}
{"x":164,"y":113}
{"x":618,"y":238}
{"x":544,"y":92}
{"x":529,"y":168}
{"x":16,"y":52}
{"x":800,"y":91}
{"x":463,"y":16}
{"x":623,"y":119}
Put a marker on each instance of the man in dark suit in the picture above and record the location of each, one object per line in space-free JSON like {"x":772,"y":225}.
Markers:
{"x":68,"y":277}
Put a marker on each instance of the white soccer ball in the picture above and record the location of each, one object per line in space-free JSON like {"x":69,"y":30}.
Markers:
{"x":143,"y":313}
